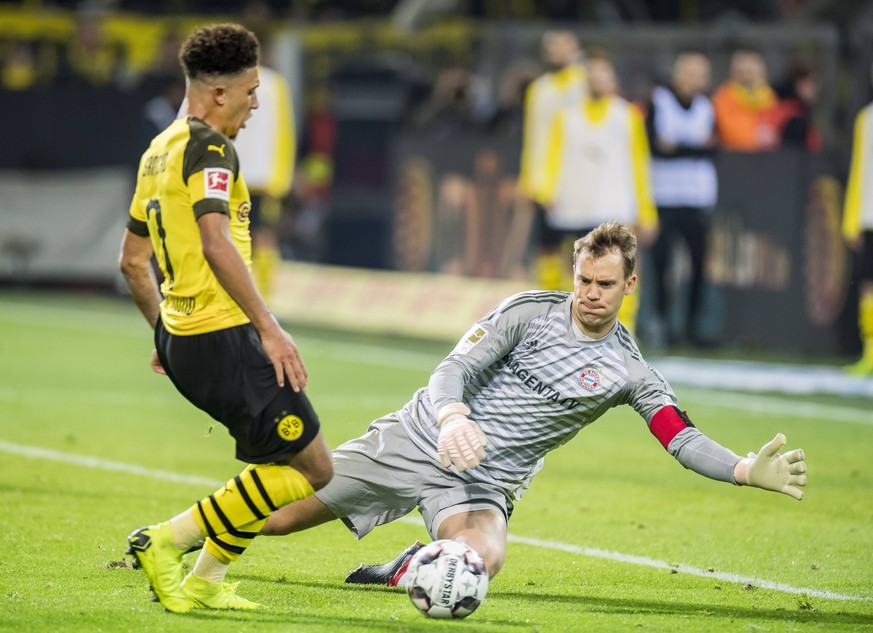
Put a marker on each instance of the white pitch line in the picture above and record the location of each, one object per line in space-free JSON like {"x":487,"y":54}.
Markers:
{"x":594,"y":552}
{"x":105,"y":464}
{"x":591,"y":552}
{"x":734,"y":401}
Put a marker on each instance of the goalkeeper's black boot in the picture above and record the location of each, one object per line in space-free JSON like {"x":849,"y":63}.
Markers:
{"x":390,"y":574}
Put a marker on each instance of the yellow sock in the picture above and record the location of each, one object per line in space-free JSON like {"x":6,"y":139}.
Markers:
{"x":233,"y":515}
{"x":226,"y":548}
{"x":865,"y":324}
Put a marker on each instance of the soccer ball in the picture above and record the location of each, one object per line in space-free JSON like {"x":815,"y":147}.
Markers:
{"x":446,"y":579}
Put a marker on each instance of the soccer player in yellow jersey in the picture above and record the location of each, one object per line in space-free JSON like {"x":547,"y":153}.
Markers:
{"x":214,"y":336}
{"x":858,"y":230}
{"x":266,"y":149}
{"x":563,"y":85}
{"x":597,"y":170}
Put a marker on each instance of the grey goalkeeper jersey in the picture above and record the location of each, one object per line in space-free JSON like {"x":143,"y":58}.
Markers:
{"x":532,"y":381}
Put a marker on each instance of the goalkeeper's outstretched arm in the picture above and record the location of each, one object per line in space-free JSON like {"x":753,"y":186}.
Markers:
{"x":768,"y":469}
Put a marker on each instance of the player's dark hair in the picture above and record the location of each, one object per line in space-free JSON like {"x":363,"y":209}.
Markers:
{"x":608,"y":236}
{"x":220,"y":49}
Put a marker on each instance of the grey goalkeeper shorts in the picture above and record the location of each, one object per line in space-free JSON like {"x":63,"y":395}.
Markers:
{"x":382,"y":476}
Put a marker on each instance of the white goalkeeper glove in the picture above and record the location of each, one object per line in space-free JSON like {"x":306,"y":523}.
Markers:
{"x":461,"y":442}
{"x":771,"y":471}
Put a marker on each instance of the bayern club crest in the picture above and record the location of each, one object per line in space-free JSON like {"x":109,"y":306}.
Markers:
{"x":589,"y":379}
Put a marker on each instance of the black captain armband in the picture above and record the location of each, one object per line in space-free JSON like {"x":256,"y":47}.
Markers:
{"x":137,"y":227}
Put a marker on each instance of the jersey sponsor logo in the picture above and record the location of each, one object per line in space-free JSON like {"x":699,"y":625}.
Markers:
{"x":216,"y":148}
{"x":242,"y":213}
{"x":589,"y":379}
{"x":290,"y":428}
{"x":535,"y":384}
{"x":217,"y":183}
{"x":472,"y":338}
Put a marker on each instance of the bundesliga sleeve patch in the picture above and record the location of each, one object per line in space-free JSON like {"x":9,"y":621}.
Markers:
{"x":472,"y":338}
{"x":217,"y":183}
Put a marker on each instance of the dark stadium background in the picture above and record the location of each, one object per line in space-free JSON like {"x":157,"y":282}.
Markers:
{"x":360,"y":72}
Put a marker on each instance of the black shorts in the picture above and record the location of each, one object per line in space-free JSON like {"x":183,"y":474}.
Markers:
{"x":227,"y":374}
{"x":867,"y":256}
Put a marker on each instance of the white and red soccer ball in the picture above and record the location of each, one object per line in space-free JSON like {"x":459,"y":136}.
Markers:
{"x":446,"y":579}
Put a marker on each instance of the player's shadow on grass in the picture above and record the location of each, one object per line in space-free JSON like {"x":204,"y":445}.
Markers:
{"x":613,"y":606}
{"x":309,"y":615}
{"x":629,"y":606}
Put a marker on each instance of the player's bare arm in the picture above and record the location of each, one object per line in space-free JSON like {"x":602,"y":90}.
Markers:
{"x":229,"y":268}
{"x":135,"y":264}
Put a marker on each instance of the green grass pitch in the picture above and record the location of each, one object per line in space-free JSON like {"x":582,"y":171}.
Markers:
{"x":613,"y":535}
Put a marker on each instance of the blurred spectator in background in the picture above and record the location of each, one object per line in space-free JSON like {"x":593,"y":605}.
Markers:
{"x":20,"y":69}
{"x":507,"y":120}
{"x":858,"y":230}
{"x":792,"y":117}
{"x":267,"y":147}
{"x":450,"y":107}
{"x":743,"y":102}
{"x":300,"y":229}
{"x":681,"y":127}
{"x":91,"y":57}
{"x":563,"y":85}
{"x":598,"y":170}
{"x":165,"y":84}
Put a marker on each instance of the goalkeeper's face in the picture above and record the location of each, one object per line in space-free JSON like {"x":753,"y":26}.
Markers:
{"x":599,"y":287}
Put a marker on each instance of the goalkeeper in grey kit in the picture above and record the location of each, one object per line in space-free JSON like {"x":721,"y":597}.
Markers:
{"x":523,"y":381}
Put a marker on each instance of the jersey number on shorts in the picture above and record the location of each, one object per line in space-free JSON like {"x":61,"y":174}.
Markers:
{"x":155,"y":206}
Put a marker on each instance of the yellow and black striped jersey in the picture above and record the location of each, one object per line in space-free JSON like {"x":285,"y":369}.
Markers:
{"x":190,"y":170}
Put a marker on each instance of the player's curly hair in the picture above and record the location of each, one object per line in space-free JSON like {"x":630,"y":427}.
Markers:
{"x":220,"y":49}
{"x":604,"y":238}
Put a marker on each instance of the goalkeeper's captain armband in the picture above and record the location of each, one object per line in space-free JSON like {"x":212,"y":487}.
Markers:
{"x":667,"y":423}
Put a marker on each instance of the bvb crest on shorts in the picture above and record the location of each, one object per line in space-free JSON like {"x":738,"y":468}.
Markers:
{"x":289,"y":427}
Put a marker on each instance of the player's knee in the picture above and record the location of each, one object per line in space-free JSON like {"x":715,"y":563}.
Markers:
{"x":320,"y":474}
{"x":281,"y":522}
{"x":314,"y":463}
{"x":318,"y":471}
{"x":494,"y":558}
{"x":492,"y":551}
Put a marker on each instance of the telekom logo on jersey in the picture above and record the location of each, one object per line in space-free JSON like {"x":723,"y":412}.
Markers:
{"x":217,"y":182}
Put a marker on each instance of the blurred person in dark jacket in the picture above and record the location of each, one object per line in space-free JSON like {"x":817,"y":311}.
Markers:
{"x":681,"y":128}
{"x":792,"y":118}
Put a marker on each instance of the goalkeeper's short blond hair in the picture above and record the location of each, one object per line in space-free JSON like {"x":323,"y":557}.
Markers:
{"x":608,"y":236}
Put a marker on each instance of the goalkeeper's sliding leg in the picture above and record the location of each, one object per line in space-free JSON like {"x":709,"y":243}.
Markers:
{"x":482,"y":530}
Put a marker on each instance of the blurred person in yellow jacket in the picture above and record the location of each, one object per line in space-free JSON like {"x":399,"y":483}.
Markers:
{"x":563,"y":85}
{"x":598,"y":170}
{"x":858,"y":230}
{"x":743,"y":105}
{"x":267,"y":148}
